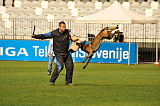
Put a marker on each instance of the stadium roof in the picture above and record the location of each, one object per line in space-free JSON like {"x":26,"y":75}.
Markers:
{"x":115,"y":13}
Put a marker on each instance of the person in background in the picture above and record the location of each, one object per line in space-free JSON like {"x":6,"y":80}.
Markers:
{"x":121,"y":37}
{"x":51,"y":56}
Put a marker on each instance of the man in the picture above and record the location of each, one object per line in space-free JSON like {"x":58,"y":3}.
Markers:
{"x":61,"y":38}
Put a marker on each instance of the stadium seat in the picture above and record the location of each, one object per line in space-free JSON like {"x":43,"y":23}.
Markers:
{"x":40,"y":17}
{"x":135,"y":5}
{"x":154,"y":5}
{"x":1,"y":2}
{"x":10,"y":9}
{"x":79,"y":5}
{"x":36,"y":3}
{"x":148,"y":12}
{"x":15,"y":10}
{"x":47,"y":11}
{"x":38,"y":11}
{"x":155,"y":12}
{"x":126,"y":5}
{"x":106,"y":5}
{"x":145,"y":5}
{"x":55,"y":10}
{"x":142,"y":11}
{"x":9,"y":31}
{"x":60,"y":11}
{"x":63,"y":10}
{"x":62,"y":4}
{"x":8,"y":24}
{"x":32,"y":16}
{"x":2,"y":10}
{"x":74,"y":12}
{"x":67,"y":16}
{"x":158,"y":13}
{"x":8,"y":2}
{"x":44,"y":4}
{"x":1,"y":27}
{"x":29,"y":10}
{"x":26,"y":4}
{"x":17,"y":3}
{"x":71,"y":5}
{"x":131,"y":1}
{"x":98,"y":5}
{"x":89,"y":5}
{"x":92,"y":11}
{"x":12,"y":15}
{"x":52,"y":4}
{"x":5,"y":17}
{"x":82,"y":12}
{"x":50,"y":17}
{"x":75,"y":0}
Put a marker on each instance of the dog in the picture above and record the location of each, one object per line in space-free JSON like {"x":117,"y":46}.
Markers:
{"x":105,"y":33}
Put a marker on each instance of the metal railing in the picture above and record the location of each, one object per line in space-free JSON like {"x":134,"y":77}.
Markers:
{"x":146,"y":35}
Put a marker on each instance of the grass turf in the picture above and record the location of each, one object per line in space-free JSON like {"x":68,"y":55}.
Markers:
{"x":27,"y":84}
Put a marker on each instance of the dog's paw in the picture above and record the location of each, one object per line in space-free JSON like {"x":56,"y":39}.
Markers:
{"x":84,"y":67}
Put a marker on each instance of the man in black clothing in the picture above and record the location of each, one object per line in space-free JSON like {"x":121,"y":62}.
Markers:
{"x":61,"y":38}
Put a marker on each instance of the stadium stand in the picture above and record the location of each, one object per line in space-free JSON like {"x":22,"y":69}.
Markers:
{"x":60,"y":7}
{"x":27,"y":13}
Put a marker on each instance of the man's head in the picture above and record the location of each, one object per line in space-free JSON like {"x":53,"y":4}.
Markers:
{"x":62,"y":26}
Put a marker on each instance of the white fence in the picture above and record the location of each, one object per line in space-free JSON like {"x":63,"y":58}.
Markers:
{"x":146,"y":35}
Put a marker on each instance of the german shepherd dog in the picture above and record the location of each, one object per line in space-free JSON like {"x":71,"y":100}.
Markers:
{"x":95,"y":44}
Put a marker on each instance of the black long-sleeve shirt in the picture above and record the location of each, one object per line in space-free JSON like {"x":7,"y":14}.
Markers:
{"x":60,"y":40}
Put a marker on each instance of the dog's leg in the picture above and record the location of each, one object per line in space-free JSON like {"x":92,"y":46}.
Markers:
{"x":87,"y":62}
{"x":89,"y":58}
{"x":89,"y":51}
{"x":85,"y":59}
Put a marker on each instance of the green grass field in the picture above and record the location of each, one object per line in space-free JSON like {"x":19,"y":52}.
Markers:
{"x":27,"y":84}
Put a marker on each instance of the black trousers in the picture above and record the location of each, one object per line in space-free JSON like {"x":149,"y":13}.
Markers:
{"x":63,"y":59}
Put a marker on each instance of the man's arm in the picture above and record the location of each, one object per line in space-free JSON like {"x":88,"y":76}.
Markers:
{"x":73,"y":36}
{"x":43,"y":36}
